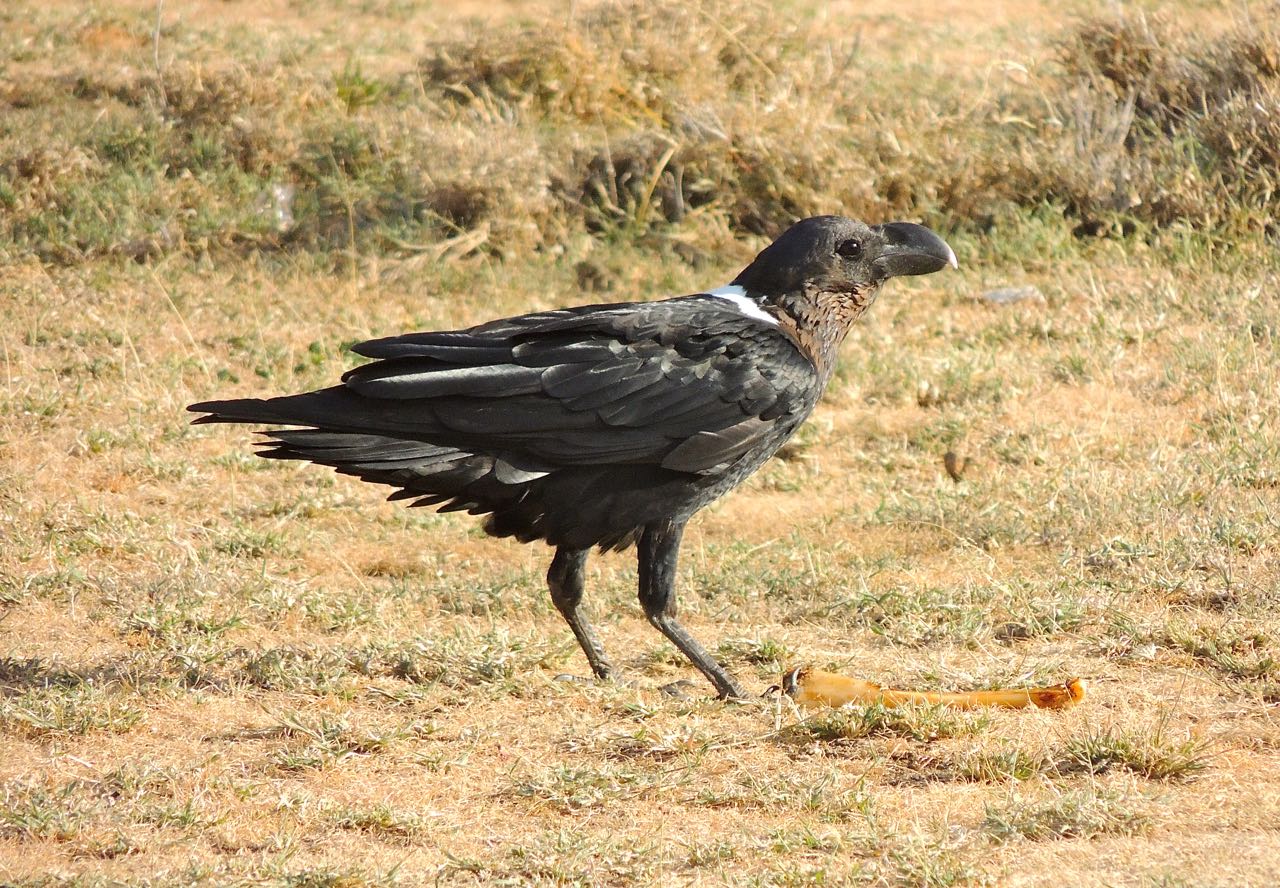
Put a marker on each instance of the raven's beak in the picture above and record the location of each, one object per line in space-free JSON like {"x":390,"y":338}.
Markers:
{"x":912,"y":249}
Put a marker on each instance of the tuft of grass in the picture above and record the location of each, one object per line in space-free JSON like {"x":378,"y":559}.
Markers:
{"x":333,"y":877}
{"x":930,"y":864}
{"x":175,"y":620}
{"x":570,"y":789}
{"x":646,"y":743}
{"x":466,"y":659}
{"x":28,"y":810}
{"x":185,"y":815}
{"x":331,"y":741}
{"x":322,"y":672}
{"x":565,"y":856}
{"x":1150,"y":753}
{"x":380,"y":820}
{"x":1074,"y":814}
{"x":826,"y":797}
{"x":247,"y":542}
{"x":1234,"y":651}
{"x":767,"y":655}
{"x":68,"y":710}
{"x":710,"y":854}
{"x":1002,"y":765}
{"x":916,"y":722}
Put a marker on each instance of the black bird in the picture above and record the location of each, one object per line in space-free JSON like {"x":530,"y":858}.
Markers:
{"x":603,"y":425}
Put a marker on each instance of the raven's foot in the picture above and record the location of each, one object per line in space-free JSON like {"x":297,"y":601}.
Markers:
{"x":727,"y":687}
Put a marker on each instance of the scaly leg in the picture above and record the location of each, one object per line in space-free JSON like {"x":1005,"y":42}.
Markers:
{"x":659,"y":552}
{"x":565,"y":581}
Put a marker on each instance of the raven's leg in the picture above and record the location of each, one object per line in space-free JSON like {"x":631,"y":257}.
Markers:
{"x":659,"y":551}
{"x":565,"y":581}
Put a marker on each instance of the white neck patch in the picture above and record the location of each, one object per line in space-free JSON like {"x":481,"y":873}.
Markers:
{"x":745,"y":304}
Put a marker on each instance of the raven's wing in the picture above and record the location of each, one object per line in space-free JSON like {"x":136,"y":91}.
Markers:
{"x":688,"y":384}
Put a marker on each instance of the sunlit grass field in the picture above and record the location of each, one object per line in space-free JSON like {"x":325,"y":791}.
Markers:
{"x":216,"y":669}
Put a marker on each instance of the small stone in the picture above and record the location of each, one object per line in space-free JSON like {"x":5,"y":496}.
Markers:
{"x":593,"y":277}
{"x":276,"y":206}
{"x":1011,"y":631}
{"x":1010,"y":295}
{"x":678,"y":689}
{"x":1144,"y":652}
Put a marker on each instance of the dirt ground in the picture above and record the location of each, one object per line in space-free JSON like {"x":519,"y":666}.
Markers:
{"x":219,"y":670}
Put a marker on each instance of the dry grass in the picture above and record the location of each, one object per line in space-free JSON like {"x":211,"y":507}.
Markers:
{"x":625,"y":120}
{"x":215,"y":669}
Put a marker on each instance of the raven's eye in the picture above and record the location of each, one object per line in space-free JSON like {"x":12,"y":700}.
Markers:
{"x":849,"y":249}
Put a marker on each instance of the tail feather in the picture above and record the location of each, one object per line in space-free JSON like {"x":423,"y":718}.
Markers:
{"x":319,"y":408}
{"x":449,"y":478}
{"x":431,"y":463}
{"x":374,"y":451}
{"x":336,"y":409}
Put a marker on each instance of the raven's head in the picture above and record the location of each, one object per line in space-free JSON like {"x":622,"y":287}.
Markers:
{"x":832,"y":254}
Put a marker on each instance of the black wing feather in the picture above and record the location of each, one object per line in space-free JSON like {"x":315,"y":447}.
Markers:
{"x":687,"y":384}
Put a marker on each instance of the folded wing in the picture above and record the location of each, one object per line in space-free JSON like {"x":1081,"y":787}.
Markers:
{"x":465,"y":417}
